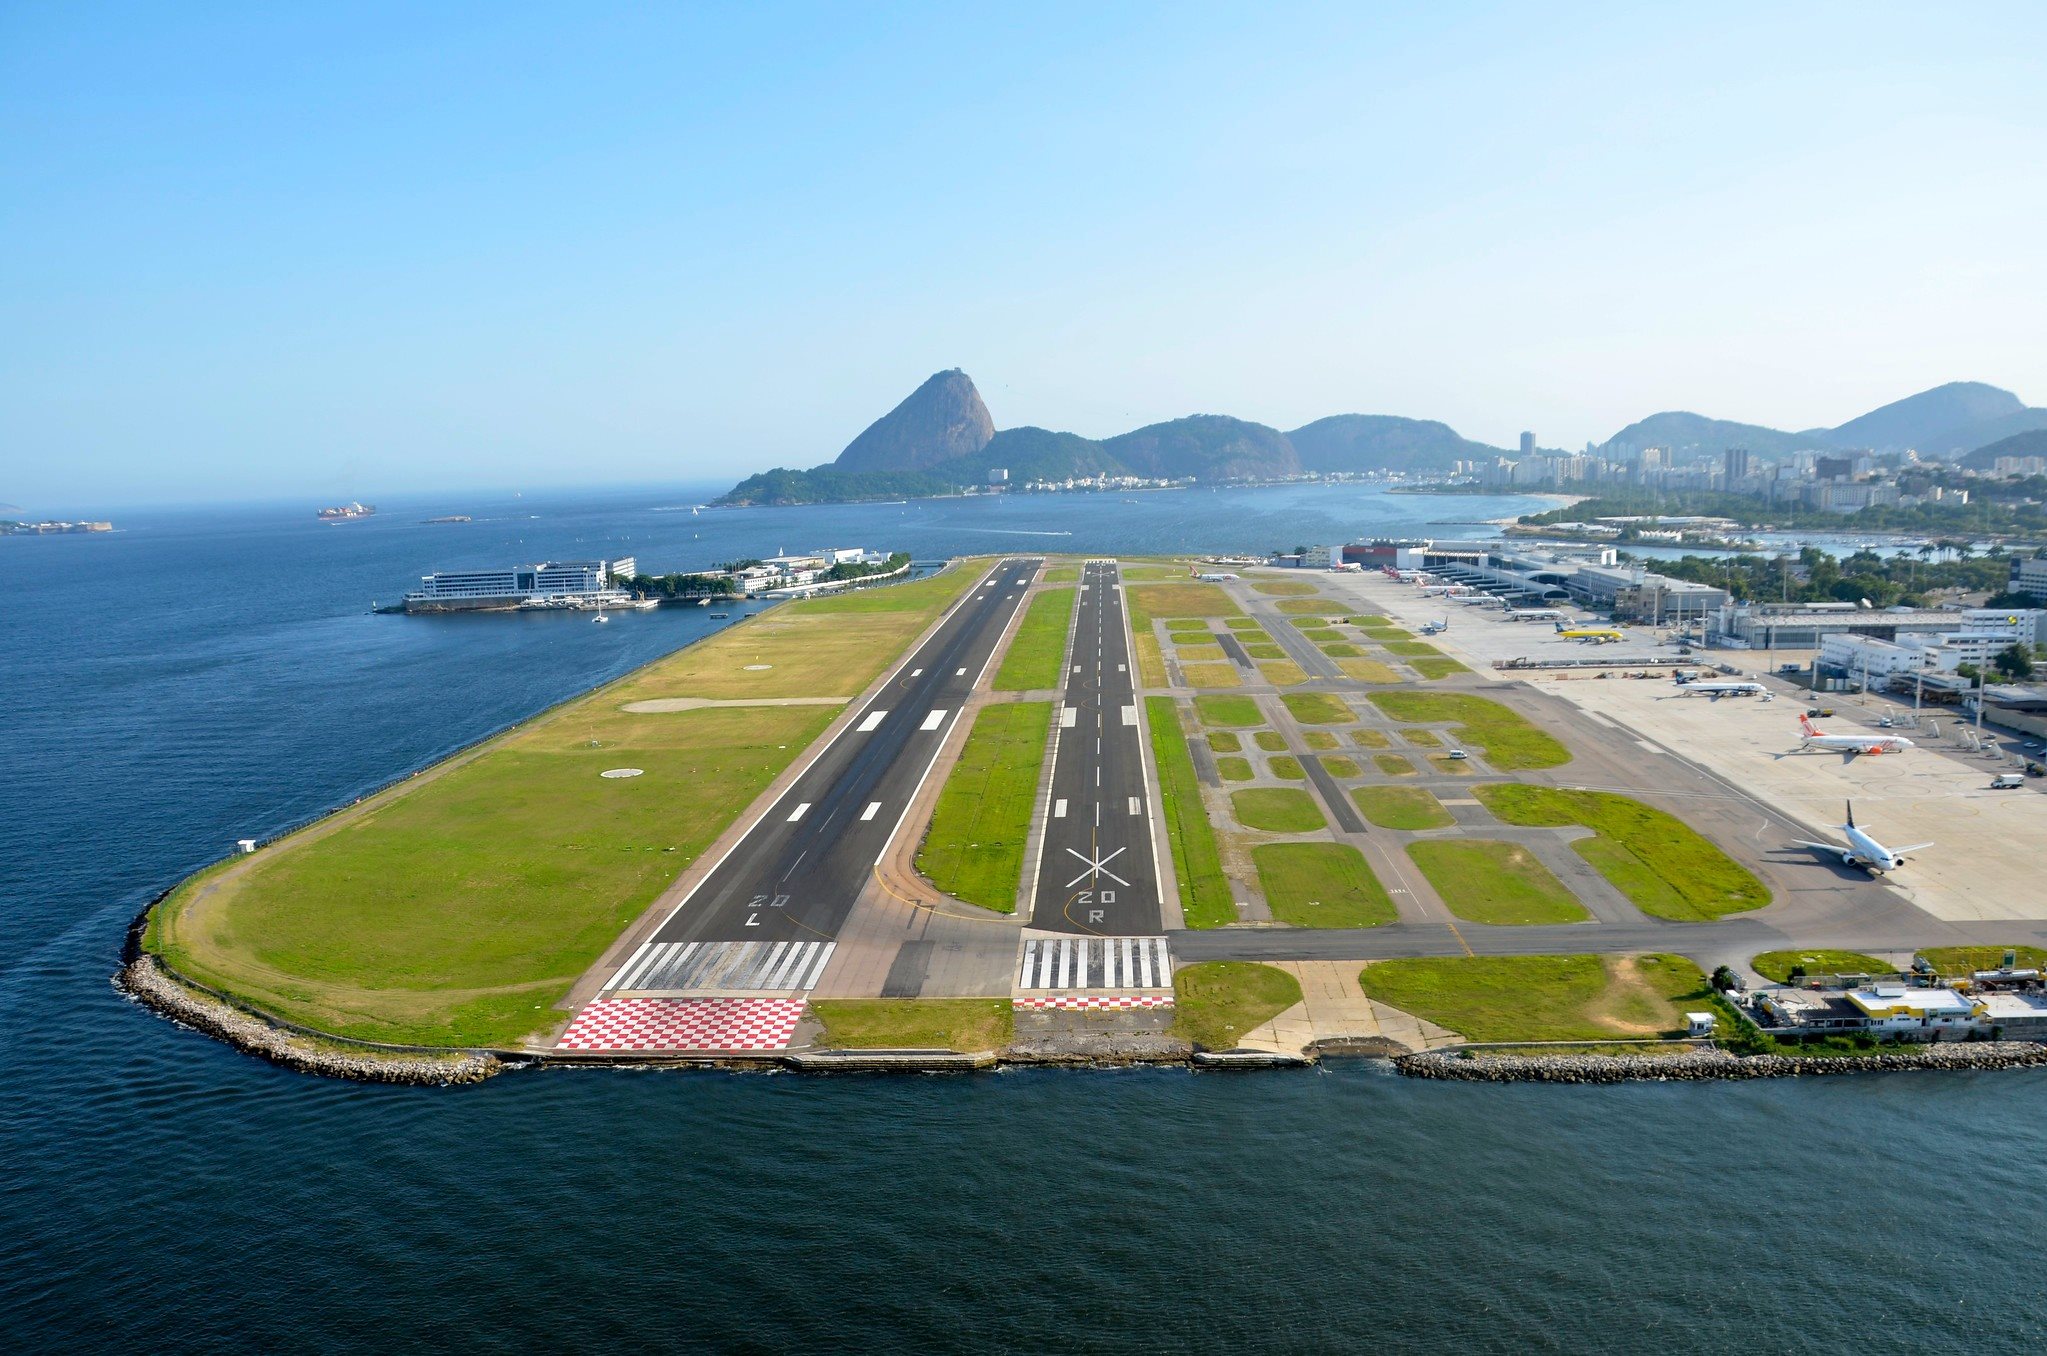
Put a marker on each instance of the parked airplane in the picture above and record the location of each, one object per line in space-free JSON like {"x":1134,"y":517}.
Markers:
{"x":1716,"y":690}
{"x":1435,"y":627}
{"x":1850,"y":744}
{"x":1597,"y":635}
{"x":1864,"y":851}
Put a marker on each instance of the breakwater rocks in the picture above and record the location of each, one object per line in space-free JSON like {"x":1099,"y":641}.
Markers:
{"x":144,"y":980}
{"x":1704,"y":1064}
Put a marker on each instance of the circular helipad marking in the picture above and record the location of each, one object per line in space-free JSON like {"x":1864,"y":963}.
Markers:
{"x":621,"y":772}
{"x":756,"y":668}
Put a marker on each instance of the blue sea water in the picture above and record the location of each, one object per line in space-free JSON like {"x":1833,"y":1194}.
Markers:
{"x":206,"y":675}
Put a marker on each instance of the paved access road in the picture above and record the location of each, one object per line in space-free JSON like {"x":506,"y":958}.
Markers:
{"x":1097,"y":868}
{"x":796,"y":874}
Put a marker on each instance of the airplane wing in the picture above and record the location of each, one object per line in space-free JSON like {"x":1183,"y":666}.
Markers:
{"x":1823,"y":847}
{"x":1909,"y":847}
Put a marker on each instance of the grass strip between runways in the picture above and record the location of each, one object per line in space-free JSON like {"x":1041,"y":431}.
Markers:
{"x":1666,"y":867}
{"x":975,"y":848}
{"x":1510,"y":742}
{"x":1483,"y":880}
{"x":1204,"y":890}
{"x":1032,"y":663}
{"x":1321,"y":885}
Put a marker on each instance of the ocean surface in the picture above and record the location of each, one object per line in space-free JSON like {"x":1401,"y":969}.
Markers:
{"x":201,"y":676}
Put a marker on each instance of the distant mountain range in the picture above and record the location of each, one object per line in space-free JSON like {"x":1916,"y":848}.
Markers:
{"x":941,"y":439}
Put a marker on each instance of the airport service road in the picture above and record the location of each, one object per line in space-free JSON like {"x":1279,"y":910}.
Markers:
{"x":1097,"y":869}
{"x":765,"y":917}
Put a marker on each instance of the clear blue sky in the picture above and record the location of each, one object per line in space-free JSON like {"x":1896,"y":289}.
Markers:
{"x":342,"y":250}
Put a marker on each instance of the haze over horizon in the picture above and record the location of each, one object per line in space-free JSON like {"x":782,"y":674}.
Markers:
{"x":252,"y":253}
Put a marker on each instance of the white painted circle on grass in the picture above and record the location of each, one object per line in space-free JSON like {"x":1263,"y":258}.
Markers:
{"x":756,"y":668}
{"x":621,"y":772}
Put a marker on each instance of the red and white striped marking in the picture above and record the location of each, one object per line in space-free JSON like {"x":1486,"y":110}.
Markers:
{"x":1078,"y":1002}
{"x":683,"y":1024}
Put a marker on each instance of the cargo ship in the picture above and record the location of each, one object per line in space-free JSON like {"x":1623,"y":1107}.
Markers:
{"x":345,"y":511}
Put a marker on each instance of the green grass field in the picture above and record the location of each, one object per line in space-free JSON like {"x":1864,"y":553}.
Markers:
{"x":1202,"y":654}
{"x":1148,"y":601}
{"x":1321,"y":635}
{"x":1032,"y":663}
{"x":1657,"y":860}
{"x":1321,"y":885}
{"x":1211,"y":675}
{"x":1216,"y":1002}
{"x":1510,"y":742}
{"x":1225,"y":741}
{"x":1483,"y":881}
{"x":1287,"y":767}
{"x":1276,"y":809}
{"x":970,"y":1025}
{"x":1401,"y":807}
{"x":1421,"y":739}
{"x":1265,"y":651}
{"x":1272,"y":741}
{"x":1386,"y":635}
{"x":1393,"y":765}
{"x":1284,"y":588}
{"x":457,"y":908}
{"x":1232,"y":768}
{"x":1777,"y":965}
{"x":1544,"y":998}
{"x":1306,"y":607}
{"x":1318,"y":708}
{"x":1227,"y":711}
{"x":1242,"y":623}
{"x":1369,"y":671}
{"x":1205,"y":896}
{"x":1320,"y":739}
{"x":1282,"y":672}
{"x":975,"y":848}
{"x":1370,"y":739}
{"x":1063,"y":574}
{"x":1343,"y":651}
{"x":1433,"y":669}
{"x":1369,"y":619}
{"x":1338,"y":766}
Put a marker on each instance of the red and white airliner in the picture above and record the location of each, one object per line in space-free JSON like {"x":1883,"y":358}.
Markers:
{"x":1850,"y":744}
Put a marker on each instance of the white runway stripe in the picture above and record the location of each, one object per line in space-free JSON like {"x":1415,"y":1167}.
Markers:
{"x":934,"y":720}
{"x":870,"y":811}
{"x":874,"y":718}
{"x":680,"y":967}
{"x":1095,"y":963}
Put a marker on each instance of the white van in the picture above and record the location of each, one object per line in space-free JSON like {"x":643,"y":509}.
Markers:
{"x":2007,"y":781}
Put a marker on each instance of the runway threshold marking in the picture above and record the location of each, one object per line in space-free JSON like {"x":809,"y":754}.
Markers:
{"x":934,"y":720}
{"x":874,"y":719}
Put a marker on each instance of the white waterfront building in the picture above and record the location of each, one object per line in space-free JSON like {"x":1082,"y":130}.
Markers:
{"x":565,"y":583}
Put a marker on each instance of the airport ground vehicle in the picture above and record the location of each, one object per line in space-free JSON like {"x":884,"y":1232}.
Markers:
{"x":1819,"y":712}
{"x":2007,"y":781}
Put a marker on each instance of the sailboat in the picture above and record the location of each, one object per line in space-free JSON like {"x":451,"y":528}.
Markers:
{"x":600,"y":617}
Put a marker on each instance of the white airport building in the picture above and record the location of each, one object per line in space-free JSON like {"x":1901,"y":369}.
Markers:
{"x":555,"y":583}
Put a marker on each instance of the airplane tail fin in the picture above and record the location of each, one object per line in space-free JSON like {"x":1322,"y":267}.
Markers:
{"x":1851,"y":814}
{"x":1805,"y":724}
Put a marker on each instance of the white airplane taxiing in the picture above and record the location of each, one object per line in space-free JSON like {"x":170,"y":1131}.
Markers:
{"x":1695,"y":688}
{"x":1864,"y":851}
{"x":1850,"y":744}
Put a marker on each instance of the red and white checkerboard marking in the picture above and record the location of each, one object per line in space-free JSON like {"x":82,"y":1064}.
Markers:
{"x":683,"y":1024}
{"x":1079,"y":1002}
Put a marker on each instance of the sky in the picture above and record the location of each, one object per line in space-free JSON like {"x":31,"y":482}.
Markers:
{"x":343,"y":250}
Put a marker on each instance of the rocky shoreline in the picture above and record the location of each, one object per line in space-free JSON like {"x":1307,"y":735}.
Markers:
{"x":1711,"y":1064}
{"x":144,"y":980}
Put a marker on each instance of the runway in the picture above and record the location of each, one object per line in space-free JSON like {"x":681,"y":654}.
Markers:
{"x":764,"y":919}
{"x":1097,"y":868}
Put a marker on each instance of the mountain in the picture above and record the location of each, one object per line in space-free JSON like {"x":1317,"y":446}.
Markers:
{"x":2029,"y":444}
{"x":1681,"y":430}
{"x":1358,"y":442}
{"x":1933,"y":421}
{"x":1206,"y":446}
{"x":939,"y":421}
